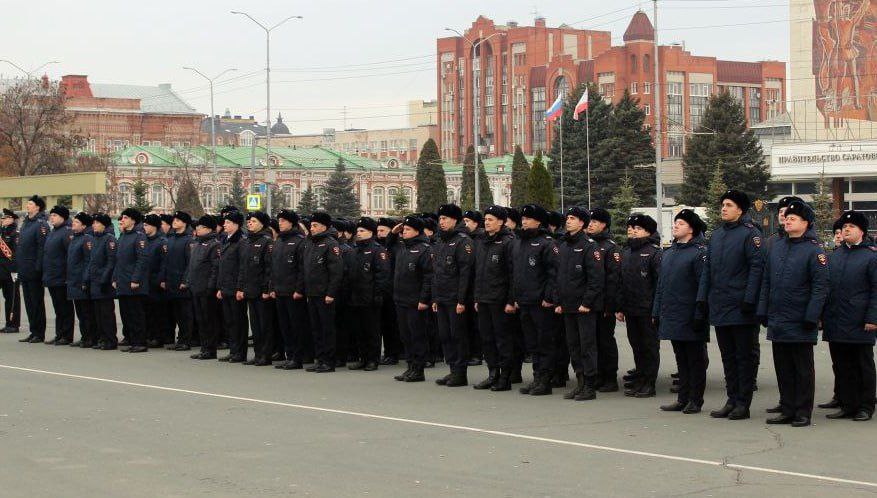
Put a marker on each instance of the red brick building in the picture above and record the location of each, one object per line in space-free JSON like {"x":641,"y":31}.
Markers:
{"x":526,"y":67}
{"x":110,"y":117}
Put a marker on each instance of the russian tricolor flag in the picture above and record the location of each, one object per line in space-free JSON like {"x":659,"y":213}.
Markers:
{"x":555,"y":110}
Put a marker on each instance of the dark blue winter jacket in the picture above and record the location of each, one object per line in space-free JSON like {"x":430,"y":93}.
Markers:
{"x":31,"y":242}
{"x":101,"y":262}
{"x":179,"y":248}
{"x":55,"y":256}
{"x":78,"y":254}
{"x":852,"y":298}
{"x":731,"y":278}
{"x":131,"y":264}
{"x":794,"y":289}
{"x":156,"y":254}
{"x":675,"y":299}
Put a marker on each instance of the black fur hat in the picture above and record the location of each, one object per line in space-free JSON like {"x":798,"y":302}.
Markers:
{"x":414,"y":222}
{"x":132,"y":213}
{"x":497,"y":212}
{"x":580,"y":213}
{"x":61,"y":211}
{"x":693,"y":220}
{"x":183,"y":216}
{"x":262,"y":216}
{"x":800,"y":208}
{"x":152,"y":219}
{"x":643,"y":221}
{"x":602,"y":215}
{"x":39,"y":201}
{"x":322,"y":218}
{"x":535,"y":212}
{"x":206,"y":221}
{"x":103,"y":219}
{"x":451,"y":211}
{"x":83,"y":218}
{"x":235,"y":217}
{"x":856,"y":218}
{"x":367,"y":223}
{"x":737,"y":197}
{"x":288,"y":215}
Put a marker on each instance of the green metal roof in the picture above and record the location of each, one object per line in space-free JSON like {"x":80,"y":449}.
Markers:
{"x":290,"y":157}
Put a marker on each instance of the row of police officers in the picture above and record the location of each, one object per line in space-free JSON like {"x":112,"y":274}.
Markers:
{"x":507,"y":285}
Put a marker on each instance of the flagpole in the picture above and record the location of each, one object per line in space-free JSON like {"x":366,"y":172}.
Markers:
{"x":562,"y":208}
{"x":588,"y":151}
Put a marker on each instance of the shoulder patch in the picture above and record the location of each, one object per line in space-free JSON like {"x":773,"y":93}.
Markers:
{"x":617,"y":257}
{"x":822,"y":259}
{"x":556,"y":251}
{"x":88,"y":245}
{"x":70,"y":237}
{"x":383,"y":256}
{"x":756,"y":241}
{"x":112,"y":244}
{"x":748,"y":225}
{"x":44,"y":229}
{"x":468,"y":248}
{"x":336,"y":250}
{"x":142,"y":244}
{"x":164,"y":248}
{"x":597,"y":256}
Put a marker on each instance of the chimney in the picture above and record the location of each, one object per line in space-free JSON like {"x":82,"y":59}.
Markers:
{"x":540,"y":22}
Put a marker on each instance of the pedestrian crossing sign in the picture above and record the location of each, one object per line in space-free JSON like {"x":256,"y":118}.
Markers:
{"x":254,"y":202}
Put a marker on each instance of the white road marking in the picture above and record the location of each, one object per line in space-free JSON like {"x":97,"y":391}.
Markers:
{"x":476,"y":430}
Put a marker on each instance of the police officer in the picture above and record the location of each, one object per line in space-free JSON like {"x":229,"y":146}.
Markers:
{"x":131,"y":279}
{"x":101,"y":262}
{"x":200,"y":280}
{"x":474,"y":222}
{"x":535,"y":263}
{"x":389,"y":325}
{"x":369,"y":280}
{"x":254,"y":286}
{"x":231,"y":300}
{"x":166,"y":314}
{"x":287,"y":288}
{"x":838,"y":241}
{"x":640,"y":269}
{"x":850,"y":321}
{"x":494,"y":301}
{"x":793,"y":292}
{"x":78,"y":254}
{"x":31,"y":244}
{"x":452,"y":256}
{"x":156,"y":258}
{"x":729,"y":289}
{"x":675,"y":311}
{"x":55,"y":274}
{"x":607,"y":348}
{"x":8,"y":274}
{"x":513,"y":223}
{"x":580,"y":285}
{"x":323,"y":272}
{"x":412,"y":293}
{"x":345,"y":345}
{"x":179,"y":241}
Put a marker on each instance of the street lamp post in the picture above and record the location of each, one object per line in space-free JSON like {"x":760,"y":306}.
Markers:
{"x":659,"y":188}
{"x":212,"y":115}
{"x":476,"y":121}
{"x":25,"y":72}
{"x":268,"y":31}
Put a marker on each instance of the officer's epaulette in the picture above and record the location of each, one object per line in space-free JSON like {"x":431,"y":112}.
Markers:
{"x":814,"y":241}
{"x":748,"y":224}
{"x":873,"y":248}
{"x":656,"y":246}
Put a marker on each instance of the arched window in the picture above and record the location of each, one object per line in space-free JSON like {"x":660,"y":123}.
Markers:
{"x":561,"y":87}
{"x":222,"y":195}
{"x":157,"y":198}
{"x":452,"y":196}
{"x":320,"y":192}
{"x":392,"y":192}
{"x":125,"y":195}
{"x":209,"y":200}
{"x":647,"y":63}
{"x":378,"y":198}
{"x":633,"y":66}
{"x":246,"y":138}
{"x":409,"y":195}
{"x":288,"y":192}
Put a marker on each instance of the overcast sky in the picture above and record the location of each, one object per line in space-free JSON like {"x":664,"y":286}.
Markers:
{"x":371,"y":56}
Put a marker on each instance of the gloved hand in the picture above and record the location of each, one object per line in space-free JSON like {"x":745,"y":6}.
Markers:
{"x":747,"y":308}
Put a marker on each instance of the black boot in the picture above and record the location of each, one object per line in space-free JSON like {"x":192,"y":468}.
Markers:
{"x":487,"y":383}
{"x":647,"y":390}
{"x":458,"y":379}
{"x":515,"y":377}
{"x":402,"y":376}
{"x":443,"y":381}
{"x":580,"y":384}
{"x":610,"y":385}
{"x":503,"y":382}
{"x":542,"y":387}
{"x":588,"y":392}
{"x":416,"y":375}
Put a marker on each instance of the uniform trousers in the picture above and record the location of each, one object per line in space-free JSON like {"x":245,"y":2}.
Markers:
{"x":182,"y":313}
{"x":11,"y":303}
{"x":205,"y":308}
{"x":691,"y":363}
{"x":87,"y":326}
{"x":234,"y":321}
{"x":737,"y":346}
{"x":133,"y":319}
{"x":581,"y":340}
{"x":413,"y":333}
{"x":33,"y":293}
{"x":796,"y":377}
{"x":494,"y":329}
{"x":607,"y":347}
{"x":293,"y":322}
{"x":645,"y":345}
{"x":105,"y":321}
{"x":261,"y":314}
{"x":855,"y":377}
{"x":453,"y":336}
{"x":537,"y":324}
{"x":64,"y":315}
{"x":322,"y":318}
{"x":390,"y":329}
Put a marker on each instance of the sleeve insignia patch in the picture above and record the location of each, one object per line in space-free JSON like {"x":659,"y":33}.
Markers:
{"x":617,"y":257}
{"x":597,"y":256}
{"x":822,"y":259}
{"x":468,"y":248}
{"x":756,"y":241}
{"x":336,"y":251}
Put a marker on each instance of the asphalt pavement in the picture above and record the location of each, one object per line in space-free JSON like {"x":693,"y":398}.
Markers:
{"x":79,"y":422}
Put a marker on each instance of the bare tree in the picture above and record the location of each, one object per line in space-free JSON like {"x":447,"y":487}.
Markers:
{"x":109,"y":202}
{"x":34,"y":135}
{"x":187,"y":177}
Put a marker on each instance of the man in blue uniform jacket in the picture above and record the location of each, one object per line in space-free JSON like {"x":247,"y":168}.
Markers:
{"x":793,"y":293}
{"x":31,"y":244}
{"x":55,"y":274}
